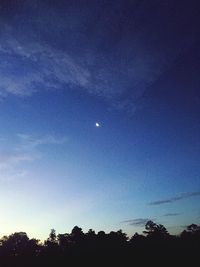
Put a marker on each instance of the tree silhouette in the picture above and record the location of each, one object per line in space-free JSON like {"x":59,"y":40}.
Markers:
{"x":191,"y":233}
{"x":51,"y":244}
{"x":18,"y":244}
{"x":193,"y":228}
{"x":101,"y":249}
{"x":77,"y":235}
{"x":63,"y":241}
{"x":155,"y":231}
{"x":137,"y":239}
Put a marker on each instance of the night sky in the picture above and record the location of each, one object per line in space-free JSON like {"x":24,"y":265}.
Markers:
{"x":99,"y":115}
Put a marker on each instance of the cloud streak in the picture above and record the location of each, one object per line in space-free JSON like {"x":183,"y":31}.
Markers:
{"x":174,"y":199}
{"x":32,"y":142}
{"x":171,"y":214}
{"x":137,"y":222}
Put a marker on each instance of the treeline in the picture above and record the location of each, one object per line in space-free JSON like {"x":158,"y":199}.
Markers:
{"x":102,"y":249}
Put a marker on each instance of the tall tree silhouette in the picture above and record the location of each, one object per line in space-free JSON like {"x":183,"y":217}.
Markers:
{"x":155,"y":231}
{"x":18,"y":244}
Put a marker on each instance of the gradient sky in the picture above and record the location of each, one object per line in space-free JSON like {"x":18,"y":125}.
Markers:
{"x":133,"y":67}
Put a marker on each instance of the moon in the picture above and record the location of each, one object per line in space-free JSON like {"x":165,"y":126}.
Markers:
{"x":97,"y":124}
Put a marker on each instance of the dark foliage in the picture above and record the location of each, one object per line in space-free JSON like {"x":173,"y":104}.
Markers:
{"x":156,"y":247}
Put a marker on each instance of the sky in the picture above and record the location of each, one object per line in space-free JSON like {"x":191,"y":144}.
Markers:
{"x":99,"y":115}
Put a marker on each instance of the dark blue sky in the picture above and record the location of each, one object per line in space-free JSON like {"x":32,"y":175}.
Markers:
{"x":131,"y":66}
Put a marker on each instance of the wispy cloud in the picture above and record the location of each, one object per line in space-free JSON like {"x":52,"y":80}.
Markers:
{"x":28,"y":67}
{"x":137,"y":222}
{"x":26,"y":149}
{"x":31,"y":142}
{"x":171,"y":214}
{"x":9,"y":159}
{"x":176,"y":198}
{"x":13,"y":174}
{"x":111,"y":58}
{"x":12,"y":164}
{"x":40,"y":66}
